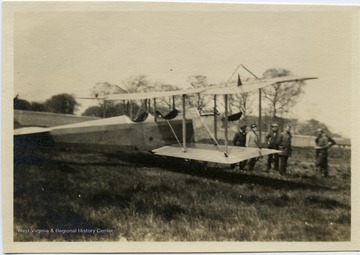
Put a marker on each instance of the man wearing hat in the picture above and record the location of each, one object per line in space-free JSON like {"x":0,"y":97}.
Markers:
{"x":272,"y":139}
{"x":252,"y":140}
{"x":285,"y":148}
{"x":322,"y":143}
{"x":240,"y":140}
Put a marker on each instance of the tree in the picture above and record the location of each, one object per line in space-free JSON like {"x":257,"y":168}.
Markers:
{"x":62,"y":103}
{"x":111,"y":110}
{"x":242,"y":102}
{"x":21,"y":104}
{"x":166,"y":103}
{"x":100,"y":90}
{"x":38,"y":107}
{"x":198,"y":81}
{"x":133,"y":84}
{"x":136,"y":84}
{"x":94,"y":111}
{"x":310,"y":127}
{"x":281,"y":97}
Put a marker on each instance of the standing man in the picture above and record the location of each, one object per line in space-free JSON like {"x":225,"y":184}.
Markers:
{"x":272,"y":140}
{"x":252,"y":140}
{"x":240,"y":140}
{"x":322,"y":143}
{"x":285,"y":148}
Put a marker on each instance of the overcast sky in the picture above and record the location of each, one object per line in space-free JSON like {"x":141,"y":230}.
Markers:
{"x":69,"y":52}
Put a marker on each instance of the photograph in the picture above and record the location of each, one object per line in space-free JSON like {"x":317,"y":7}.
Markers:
{"x":179,"y":127}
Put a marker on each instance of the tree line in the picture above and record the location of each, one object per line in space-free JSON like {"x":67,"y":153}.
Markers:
{"x":62,"y":103}
{"x":278,"y":99}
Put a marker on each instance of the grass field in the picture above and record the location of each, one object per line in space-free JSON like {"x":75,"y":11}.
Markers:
{"x":58,"y":195}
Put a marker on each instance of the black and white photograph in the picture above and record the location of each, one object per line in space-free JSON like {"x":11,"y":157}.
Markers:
{"x":177,"y":127}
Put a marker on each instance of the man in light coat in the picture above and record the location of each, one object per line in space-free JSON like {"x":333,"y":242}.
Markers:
{"x":252,"y":140}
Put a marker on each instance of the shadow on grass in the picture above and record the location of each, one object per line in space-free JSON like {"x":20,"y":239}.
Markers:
{"x":216,"y":173}
{"x":219,"y":174}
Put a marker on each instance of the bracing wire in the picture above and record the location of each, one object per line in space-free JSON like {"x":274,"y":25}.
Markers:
{"x":232,"y":74}
{"x":211,"y":134}
{"x":226,"y":85}
{"x":173,"y":131}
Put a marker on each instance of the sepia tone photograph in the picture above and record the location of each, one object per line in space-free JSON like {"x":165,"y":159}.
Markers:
{"x":179,"y":126}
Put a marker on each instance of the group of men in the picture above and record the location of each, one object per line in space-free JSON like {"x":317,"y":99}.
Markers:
{"x":280,"y":141}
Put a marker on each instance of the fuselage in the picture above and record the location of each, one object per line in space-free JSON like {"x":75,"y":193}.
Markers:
{"x":122,"y":137}
{"x":115,"y":134}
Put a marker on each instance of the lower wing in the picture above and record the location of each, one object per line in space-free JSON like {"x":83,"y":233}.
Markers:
{"x":31,"y":130}
{"x":211,"y":153}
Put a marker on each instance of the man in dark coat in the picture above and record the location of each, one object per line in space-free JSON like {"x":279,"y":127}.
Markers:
{"x":285,"y":148}
{"x":272,"y":140}
{"x":322,"y":143}
{"x":240,"y":140}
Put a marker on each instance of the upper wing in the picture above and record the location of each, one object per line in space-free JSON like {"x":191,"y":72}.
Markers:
{"x":253,"y":85}
{"x":154,"y":94}
{"x":91,"y":97}
{"x":246,"y":87}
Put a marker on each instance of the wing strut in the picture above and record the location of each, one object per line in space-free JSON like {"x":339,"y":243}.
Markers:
{"x":259,"y":103}
{"x":260,"y":118}
{"x":104,"y":109}
{"x":155,"y":115}
{"x":184,"y":123}
{"x":215,"y":120}
{"x":226,"y":125}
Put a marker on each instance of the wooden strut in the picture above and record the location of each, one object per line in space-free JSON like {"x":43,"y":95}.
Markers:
{"x":104,"y":110}
{"x":226,"y":126}
{"x":154,"y":106}
{"x":259,"y":117}
{"x":215,"y":120}
{"x":183,"y":123}
{"x":226,"y":99}
{"x":259,"y":103}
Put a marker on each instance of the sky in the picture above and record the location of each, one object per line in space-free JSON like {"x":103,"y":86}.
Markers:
{"x":69,"y":52}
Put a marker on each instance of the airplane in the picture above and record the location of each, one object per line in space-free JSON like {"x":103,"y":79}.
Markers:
{"x":167,"y":135}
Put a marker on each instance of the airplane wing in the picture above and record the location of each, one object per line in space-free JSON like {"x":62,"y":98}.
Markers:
{"x":153,"y":94}
{"x":253,"y":85}
{"x":91,"y":97}
{"x":210,"y":153}
{"x":31,"y":130}
{"x":246,"y":87}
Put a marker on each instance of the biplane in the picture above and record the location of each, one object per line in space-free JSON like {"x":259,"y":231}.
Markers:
{"x":169,"y":135}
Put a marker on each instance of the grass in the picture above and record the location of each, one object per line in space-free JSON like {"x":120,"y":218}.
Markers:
{"x":145,"y":198}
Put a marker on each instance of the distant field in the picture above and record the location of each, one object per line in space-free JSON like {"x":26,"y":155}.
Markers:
{"x":145,"y":198}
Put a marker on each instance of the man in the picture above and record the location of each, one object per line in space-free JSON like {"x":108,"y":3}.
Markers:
{"x":323,"y":143}
{"x":284,"y":142}
{"x":272,"y":140}
{"x":252,"y":140}
{"x":240,"y":140}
